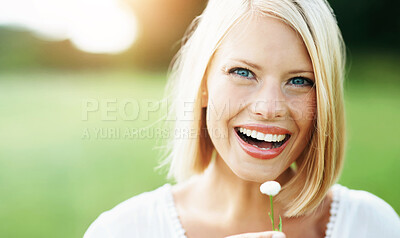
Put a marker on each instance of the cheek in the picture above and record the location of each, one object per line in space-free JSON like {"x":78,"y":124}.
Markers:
{"x":303,"y":110}
{"x":225,"y":102}
{"x":303,"y":114}
{"x":217,"y":111}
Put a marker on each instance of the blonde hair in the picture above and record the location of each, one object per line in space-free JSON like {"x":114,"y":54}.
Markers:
{"x":322,"y":159}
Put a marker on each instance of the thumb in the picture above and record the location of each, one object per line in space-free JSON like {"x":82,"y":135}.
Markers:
{"x":265,"y":234}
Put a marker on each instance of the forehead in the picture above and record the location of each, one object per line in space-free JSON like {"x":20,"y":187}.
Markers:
{"x":264,"y":39}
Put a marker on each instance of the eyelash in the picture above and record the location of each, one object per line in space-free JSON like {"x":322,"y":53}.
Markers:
{"x":308,"y":81}
{"x":232,"y":72}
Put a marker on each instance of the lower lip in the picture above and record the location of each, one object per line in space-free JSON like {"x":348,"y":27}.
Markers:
{"x":259,"y":153}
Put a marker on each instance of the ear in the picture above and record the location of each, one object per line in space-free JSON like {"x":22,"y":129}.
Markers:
{"x":204,"y":98}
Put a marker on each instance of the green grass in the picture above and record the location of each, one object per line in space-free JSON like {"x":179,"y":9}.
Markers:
{"x":373,"y":116}
{"x":54,"y":183}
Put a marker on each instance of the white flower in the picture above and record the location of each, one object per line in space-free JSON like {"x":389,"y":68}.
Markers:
{"x":270,"y":188}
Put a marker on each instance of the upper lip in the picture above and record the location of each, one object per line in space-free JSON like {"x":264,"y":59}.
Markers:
{"x":266,"y":129}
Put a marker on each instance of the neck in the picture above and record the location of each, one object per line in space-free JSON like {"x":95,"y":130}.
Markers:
{"x":236,"y":200}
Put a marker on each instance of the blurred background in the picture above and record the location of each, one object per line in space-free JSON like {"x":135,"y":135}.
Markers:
{"x":74,"y":74}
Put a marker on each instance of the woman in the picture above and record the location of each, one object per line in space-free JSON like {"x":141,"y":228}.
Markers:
{"x":264,"y":82}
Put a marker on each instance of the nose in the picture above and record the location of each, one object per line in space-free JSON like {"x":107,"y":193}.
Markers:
{"x":269,"y":102}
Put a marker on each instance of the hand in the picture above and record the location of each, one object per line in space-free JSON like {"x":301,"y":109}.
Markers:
{"x":265,"y":234}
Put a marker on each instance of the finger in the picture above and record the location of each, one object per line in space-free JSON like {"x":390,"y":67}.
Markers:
{"x":266,"y":234}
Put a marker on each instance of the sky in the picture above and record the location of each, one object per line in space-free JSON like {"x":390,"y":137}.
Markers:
{"x":94,"y":26}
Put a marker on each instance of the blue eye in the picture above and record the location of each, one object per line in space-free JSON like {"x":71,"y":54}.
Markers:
{"x":301,"y":81}
{"x":242,"y":72}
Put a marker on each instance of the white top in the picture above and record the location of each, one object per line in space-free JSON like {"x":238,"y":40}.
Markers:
{"x":153,"y":214}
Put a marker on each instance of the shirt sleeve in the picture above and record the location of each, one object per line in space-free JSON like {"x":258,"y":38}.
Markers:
{"x":368,"y":216}
{"x":99,"y":228}
{"x":142,"y":216}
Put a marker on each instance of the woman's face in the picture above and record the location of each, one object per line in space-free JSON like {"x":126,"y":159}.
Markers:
{"x":260,"y":84}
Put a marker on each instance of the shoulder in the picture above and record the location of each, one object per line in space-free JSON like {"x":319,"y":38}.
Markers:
{"x":363,"y":212}
{"x":140,"y":214}
{"x":365,"y":203}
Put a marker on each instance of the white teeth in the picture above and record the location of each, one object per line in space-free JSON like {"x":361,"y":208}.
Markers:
{"x":261,"y":136}
{"x":248,"y":132}
{"x":281,"y":137}
{"x":254,"y":134}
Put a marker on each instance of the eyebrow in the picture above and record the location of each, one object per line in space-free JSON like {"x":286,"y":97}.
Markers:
{"x":301,"y":71}
{"x":258,"y":67}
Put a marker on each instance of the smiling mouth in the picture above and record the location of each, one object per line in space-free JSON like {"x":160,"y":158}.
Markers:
{"x":260,"y":140}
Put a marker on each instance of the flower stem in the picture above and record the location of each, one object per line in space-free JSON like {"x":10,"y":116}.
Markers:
{"x":272,"y":213}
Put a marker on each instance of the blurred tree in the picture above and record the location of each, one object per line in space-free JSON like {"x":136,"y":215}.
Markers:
{"x":20,"y":50}
{"x":161,"y":25}
{"x":369,"y":23}
{"x":366,"y":25}
{"x":17,"y":49}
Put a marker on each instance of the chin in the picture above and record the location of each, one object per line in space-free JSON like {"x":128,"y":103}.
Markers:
{"x":255,"y":176}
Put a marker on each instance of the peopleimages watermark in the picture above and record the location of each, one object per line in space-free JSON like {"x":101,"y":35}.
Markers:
{"x":132,"y":109}
{"x":128,"y":109}
{"x":130,"y":133}
{"x":145,"y":110}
